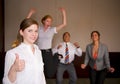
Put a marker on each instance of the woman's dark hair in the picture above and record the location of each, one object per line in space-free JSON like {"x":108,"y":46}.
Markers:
{"x":24,"y":24}
{"x":46,"y":17}
{"x":95,"y":32}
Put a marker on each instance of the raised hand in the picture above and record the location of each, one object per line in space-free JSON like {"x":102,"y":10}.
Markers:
{"x":19,"y":64}
{"x":59,"y":46}
{"x":62,"y":9}
{"x":77,"y":44}
{"x":64,"y":20}
{"x":33,"y":10}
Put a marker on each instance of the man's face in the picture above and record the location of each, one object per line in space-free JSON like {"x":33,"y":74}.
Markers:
{"x":66,"y":37}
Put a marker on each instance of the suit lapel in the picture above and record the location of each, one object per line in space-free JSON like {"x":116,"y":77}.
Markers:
{"x":99,"y":50}
{"x":91,"y":50}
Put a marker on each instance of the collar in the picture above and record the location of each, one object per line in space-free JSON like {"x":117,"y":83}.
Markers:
{"x":42,"y":27}
{"x":27,"y":45}
{"x":67,"y":43}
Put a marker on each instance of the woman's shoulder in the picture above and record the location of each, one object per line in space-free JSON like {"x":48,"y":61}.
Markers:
{"x":90,"y":44}
{"x":13,"y":49}
{"x":36,"y":46}
{"x":103,"y":45}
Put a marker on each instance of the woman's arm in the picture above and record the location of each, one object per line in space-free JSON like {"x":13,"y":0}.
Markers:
{"x":87,"y":58}
{"x":16,"y":65}
{"x":64,"y":22}
{"x":107,"y":61}
{"x":106,"y":57}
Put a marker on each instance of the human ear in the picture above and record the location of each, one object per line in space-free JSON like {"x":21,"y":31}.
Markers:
{"x":21,"y":32}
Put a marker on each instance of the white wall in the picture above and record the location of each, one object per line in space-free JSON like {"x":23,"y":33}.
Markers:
{"x":83,"y":16}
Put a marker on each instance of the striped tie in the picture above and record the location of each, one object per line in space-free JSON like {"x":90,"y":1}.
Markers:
{"x":66,"y":55}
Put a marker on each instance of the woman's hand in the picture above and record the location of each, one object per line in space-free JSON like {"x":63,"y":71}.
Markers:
{"x":19,"y":64}
{"x":33,"y":10}
{"x":62,"y":9}
{"x":64,"y":20}
{"x":83,"y":66}
{"x":111,"y":69}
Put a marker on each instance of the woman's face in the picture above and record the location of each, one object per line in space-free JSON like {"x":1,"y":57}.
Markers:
{"x":48,"y":22}
{"x":30,"y":34}
{"x":66,"y":38}
{"x":95,"y":37}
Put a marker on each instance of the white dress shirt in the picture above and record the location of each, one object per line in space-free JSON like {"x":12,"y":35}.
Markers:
{"x":45,"y":37}
{"x":71,"y":49}
{"x":33,"y":71}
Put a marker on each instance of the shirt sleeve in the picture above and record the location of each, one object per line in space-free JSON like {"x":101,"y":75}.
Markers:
{"x":55,"y":30}
{"x":107,"y":60}
{"x":9,"y":60}
{"x":55,"y":50}
{"x":78,"y":52}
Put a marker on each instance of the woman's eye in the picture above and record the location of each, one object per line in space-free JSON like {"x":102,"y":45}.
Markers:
{"x":29,"y":30}
{"x":36,"y":31}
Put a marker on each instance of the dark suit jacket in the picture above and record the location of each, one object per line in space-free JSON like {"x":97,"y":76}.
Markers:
{"x":102,"y":60}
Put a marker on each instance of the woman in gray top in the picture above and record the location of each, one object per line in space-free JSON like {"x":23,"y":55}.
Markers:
{"x":98,"y":58}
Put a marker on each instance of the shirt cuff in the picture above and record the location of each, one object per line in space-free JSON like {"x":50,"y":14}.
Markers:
{"x":55,"y":30}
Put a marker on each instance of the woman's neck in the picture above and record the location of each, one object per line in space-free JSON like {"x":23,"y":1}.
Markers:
{"x":96,"y":43}
{"x":31,"y":46}
{"x":46,"y":27}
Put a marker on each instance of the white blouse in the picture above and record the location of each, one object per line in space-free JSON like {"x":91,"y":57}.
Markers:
{"x":33,"y":72}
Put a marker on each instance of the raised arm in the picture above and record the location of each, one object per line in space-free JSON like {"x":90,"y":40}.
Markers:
{"x":64,"y":22}
{"x":31,"y":12}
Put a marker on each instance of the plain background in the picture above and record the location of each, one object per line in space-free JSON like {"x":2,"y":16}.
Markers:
{"x":83,"y":16}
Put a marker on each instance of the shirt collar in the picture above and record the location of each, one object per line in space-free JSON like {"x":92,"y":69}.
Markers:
{"x":42,"y":27}
{"x":27,"y":45}
{"x":67,"y":43}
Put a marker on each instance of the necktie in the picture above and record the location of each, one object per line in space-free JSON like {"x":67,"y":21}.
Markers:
{"x":66,"y":55}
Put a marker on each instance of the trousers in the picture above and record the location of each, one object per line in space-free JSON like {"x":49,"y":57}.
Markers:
{"x":71,"y":71}
{"x":97,"y":77}
{"x":50,"y":63}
